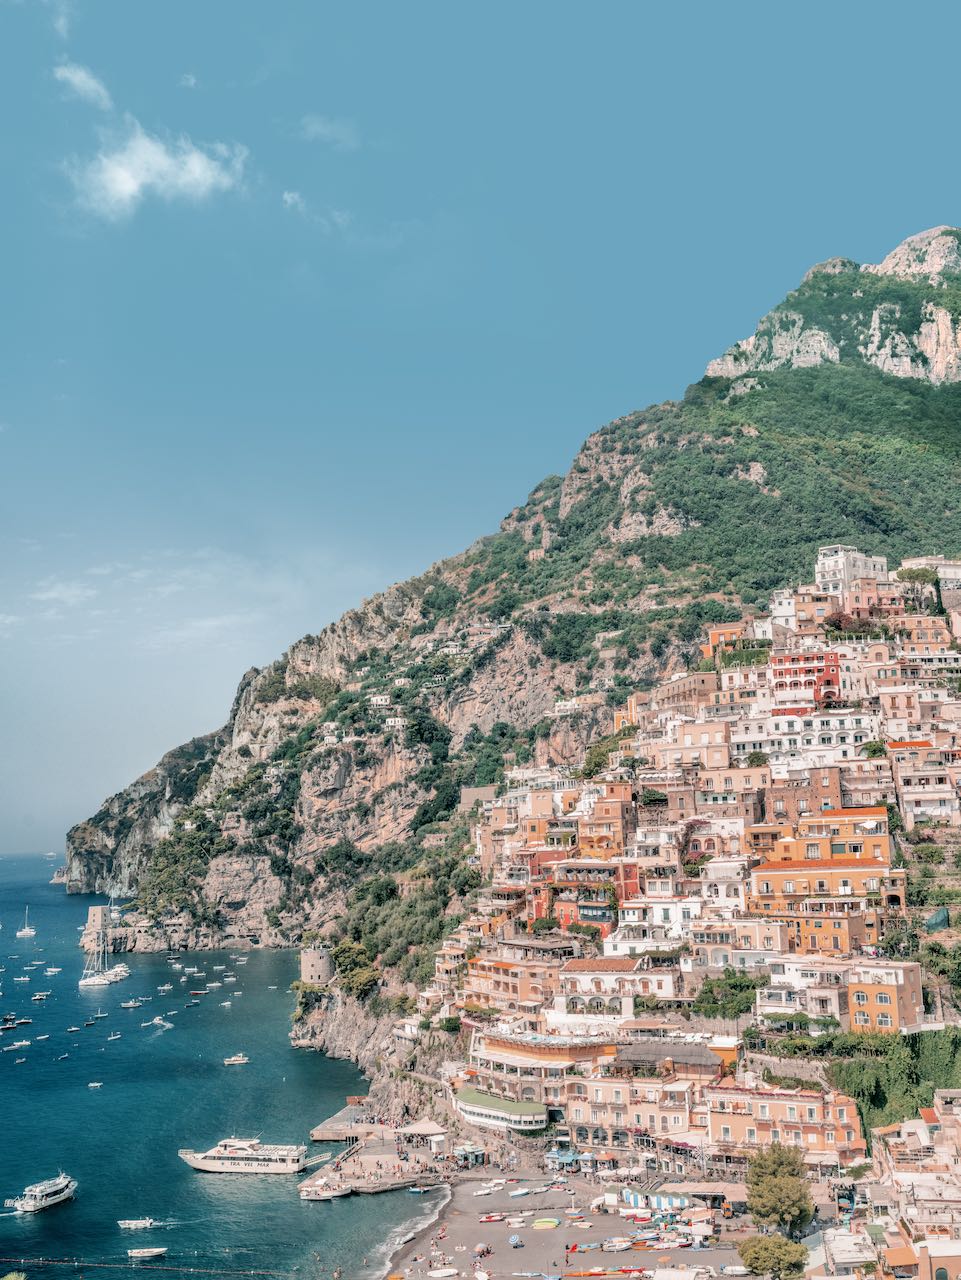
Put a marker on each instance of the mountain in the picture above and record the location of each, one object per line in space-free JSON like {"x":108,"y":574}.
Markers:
{"x":839,"y":419}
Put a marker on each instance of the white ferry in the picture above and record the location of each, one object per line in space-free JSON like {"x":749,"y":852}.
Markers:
{"x":238,"y":1060}
{"x":247,"y":1155}
{"x":44,"y":1195}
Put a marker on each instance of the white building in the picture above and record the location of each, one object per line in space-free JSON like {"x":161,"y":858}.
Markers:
{"x":839,"y":566}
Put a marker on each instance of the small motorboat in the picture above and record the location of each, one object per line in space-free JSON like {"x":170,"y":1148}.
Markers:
{"x":491,"y":1217}
{"x":238,"y":1060}
{"x":141,"y":1255}
{"x":73,"y":1031}
{"x":114,"y":1035}
{"x":136,"y":1224}
{"x":518,"y":1191}
{"x":95,"y":1084}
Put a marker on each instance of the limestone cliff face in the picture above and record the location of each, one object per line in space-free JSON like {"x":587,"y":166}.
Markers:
{"x":902,"y":315}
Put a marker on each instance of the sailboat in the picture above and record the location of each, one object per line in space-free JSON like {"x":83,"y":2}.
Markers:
{"x":95,"y":969}
{"x":28,"y":931}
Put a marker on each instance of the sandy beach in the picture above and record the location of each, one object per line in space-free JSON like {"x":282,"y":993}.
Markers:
{"x":451,"y":1240}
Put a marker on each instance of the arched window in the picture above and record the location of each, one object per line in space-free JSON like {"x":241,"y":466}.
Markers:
{"x":941,"y":1273}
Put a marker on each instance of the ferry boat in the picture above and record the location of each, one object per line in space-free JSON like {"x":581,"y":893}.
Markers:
{"x":136,"y":1224}
{"x":247,"y":1155}
{"x":238,"y":1060}
{"x":44,"y":1195}
{"x":28,"y":931}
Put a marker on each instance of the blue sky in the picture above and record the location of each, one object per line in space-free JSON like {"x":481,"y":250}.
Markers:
{"x":300,"y":298}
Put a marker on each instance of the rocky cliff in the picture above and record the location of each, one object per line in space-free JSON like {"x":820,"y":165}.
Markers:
{"x":902,"y":315}
{"x":345,"y":758}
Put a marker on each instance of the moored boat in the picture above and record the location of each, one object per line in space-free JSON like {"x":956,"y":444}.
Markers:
{"x":139,"y":1255}
{"x":247,"y":1155}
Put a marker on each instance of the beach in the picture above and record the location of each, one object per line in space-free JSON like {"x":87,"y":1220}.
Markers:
{"x":450,"y":1240}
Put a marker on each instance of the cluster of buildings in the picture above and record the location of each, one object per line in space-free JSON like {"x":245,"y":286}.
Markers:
{"x":739,"y":836}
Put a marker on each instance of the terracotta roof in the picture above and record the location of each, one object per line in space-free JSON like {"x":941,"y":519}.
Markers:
{"x":928,"y":1115}
{"x":849,"y":813}
{"x":606,"y":964}
{"x":901,"y":1255}
{"x":920,"y":742}
{"x":817,"y":865}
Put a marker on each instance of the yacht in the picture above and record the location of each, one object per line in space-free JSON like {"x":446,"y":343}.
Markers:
{"x":136,"y":1224}
{"x":247,"y":1155}
{"x":130,"y":1004}
{"x":44,"y":1195}
{"x":28,"y":931}
{"x":167,"y":986}
{"x":100,"y":1014}
{"x":238,"y":1060}
{"x":114,"y":1035}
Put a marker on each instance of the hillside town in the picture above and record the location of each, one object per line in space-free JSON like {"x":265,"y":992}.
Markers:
{"x":727,"y":868}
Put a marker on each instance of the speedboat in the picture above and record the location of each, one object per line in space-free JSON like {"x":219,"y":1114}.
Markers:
{"x":71,"y":1031}
{"x":136,"y":1224}
{"x":95,"y":1084}
{"x":44,"y":1195}
{"x":140,"y":1255}
{"x":225,"y":1004}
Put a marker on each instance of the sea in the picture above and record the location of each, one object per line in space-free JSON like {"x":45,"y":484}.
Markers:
{"x":162,"y":1089}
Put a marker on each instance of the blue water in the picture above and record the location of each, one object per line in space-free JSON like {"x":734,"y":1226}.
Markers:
{"x":163,"y":1090}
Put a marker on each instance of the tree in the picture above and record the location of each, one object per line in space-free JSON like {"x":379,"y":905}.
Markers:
{"x":773,"y":1255}
{"x":756,"y":759}
{"x":777,"y":1188}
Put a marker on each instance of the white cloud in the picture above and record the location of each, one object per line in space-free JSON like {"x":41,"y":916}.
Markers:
{"x":81,"y":81}
{"x":340,"y":134}
{"x":7,"y":623}
{"x":294,"y":200}
{"x":59,"y":591}
{"x":188,"y":80}
{"x":136,"y":164}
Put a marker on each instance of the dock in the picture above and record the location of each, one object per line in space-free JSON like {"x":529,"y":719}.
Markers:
{"x":349,"y":1124}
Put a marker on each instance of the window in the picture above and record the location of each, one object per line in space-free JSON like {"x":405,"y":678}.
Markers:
{"x":884,"y":1020}
{"x":883,"y":998}
{"x":752,"y":1135}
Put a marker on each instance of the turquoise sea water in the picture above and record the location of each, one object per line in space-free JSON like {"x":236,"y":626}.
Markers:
{"x":163,"y":1090}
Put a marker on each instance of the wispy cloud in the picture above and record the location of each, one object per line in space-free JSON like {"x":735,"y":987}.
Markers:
{"x":82,"y":82}
{"x":330,"y":221}
{"x":134,"y":164}
{"x":340,"y":134}
{"x":188,"y":80}
{"x":61,"y":12}
{"x":8,"y":621}
{"x":61,"y":591}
